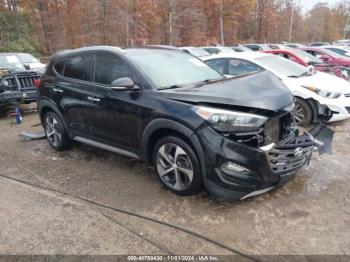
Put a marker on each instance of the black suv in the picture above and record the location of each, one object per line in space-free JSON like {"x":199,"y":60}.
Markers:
{"x":233,"y":136}
{"x":16,"y":83}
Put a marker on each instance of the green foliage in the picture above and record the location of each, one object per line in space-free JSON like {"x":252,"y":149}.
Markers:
{"x":10,"y":39}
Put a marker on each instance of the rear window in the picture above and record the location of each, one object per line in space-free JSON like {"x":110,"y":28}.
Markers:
{"x":59,"y":68}
{"x":78,"y":67}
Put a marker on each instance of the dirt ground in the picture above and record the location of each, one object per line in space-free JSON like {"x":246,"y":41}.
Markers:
{"x":310,"y":215}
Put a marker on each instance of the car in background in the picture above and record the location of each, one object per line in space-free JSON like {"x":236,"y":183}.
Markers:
{"x":328,"y":56}
{"x":241,"y":48}
{"x":217,"y":49}
{"x":169,"y":109}
{"x":32,"y":63}
{"x":258,"y":47}
{"x":294,"y":45}
{"x":340,"y":50}
{"x":345,"y":42}
{"x":16,"y":82}
{"x":195,"y":51}
{"x":319,"y":43}
{"x":279,"y":47}
{"x":306,"y":59}
{"x":319,"y":96}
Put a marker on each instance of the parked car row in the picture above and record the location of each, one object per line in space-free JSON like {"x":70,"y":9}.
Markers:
{"x":224,"y":122}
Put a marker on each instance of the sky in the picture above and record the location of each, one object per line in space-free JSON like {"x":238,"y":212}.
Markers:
{"x":308,"y":4}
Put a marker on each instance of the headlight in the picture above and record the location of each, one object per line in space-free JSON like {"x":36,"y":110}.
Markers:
{"x":4,"y":82}
{"x":323,"y":93}
{"x":230,"y":121}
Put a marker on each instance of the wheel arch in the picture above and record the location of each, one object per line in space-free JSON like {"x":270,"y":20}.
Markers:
{"x":45,"y":106}
{"x":161,"y":127}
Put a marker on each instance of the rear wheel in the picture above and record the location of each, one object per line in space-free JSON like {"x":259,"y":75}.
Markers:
{"x":177,"y":166}
{"x":55,"y":133}
{"x":302,"y":112}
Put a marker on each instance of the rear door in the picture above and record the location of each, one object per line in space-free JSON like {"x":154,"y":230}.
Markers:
{"x":74,"y":93}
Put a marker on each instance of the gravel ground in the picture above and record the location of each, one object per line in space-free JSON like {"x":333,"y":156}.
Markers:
{"x":310,"y":215}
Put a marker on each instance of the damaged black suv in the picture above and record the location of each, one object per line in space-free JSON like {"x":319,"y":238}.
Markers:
{"x":235,"y":136}
{"x":16,"y":82}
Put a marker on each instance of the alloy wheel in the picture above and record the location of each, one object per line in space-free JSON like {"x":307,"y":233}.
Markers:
{"x":52,"y":131}
{"x":174,"y":167}
{"x":299,"y":114}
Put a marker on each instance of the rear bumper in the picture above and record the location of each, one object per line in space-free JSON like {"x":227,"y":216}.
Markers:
{"x":265,"y":168}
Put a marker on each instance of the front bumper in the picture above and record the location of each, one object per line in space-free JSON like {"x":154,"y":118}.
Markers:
{"x":268,"y":166}
{"x":340,"y":108}
{"x":9,"y":97}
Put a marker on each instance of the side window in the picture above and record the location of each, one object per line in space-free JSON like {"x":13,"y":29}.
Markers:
{"x":78,"y":67}
{"x":218,"y":65}
{"x":110,"y":68}
{"x":59,"y":67}
{"x":238,"y":67}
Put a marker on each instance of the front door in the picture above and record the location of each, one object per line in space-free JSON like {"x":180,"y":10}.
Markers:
{"x":118,"y":117}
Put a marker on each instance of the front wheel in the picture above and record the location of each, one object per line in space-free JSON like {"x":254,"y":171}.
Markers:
{"x":302,"y":112}
{"x":177,"y":166}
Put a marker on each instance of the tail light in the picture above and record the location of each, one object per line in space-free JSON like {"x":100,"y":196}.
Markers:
{"x":37,"y":83}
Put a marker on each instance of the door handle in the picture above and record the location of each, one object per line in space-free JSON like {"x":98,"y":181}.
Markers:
{"x":57,"y":90}
{"x":94,"y":99}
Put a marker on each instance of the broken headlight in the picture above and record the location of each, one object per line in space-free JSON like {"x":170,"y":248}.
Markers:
{"x":323,"y":93}
{"x":230,"y":121}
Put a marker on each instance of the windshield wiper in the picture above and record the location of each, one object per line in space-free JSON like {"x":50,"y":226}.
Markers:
{"x":303,"y":74}
{"x":171,"y":87}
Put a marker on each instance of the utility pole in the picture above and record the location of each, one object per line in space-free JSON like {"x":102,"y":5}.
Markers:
{"x":221,"y":24}
{"x":292,"y":19}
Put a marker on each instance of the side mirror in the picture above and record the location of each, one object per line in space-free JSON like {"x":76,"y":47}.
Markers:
{"x":27,"y":67}
{"x":124,"y":83}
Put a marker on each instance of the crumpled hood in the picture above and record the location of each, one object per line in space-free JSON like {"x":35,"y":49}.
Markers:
{"x":325,"y":82}
{"x":261,"y":90}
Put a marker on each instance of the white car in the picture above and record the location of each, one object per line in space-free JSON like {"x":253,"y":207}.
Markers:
{"x":218,"y":50}
{"x":195,"y":51}
{"x":318,"y":95}
{"x":32,"y":62}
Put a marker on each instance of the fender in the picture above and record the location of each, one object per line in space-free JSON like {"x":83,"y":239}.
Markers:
{"x":164,"y":123}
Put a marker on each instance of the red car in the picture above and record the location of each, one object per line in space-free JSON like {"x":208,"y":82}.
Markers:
{"x":327,"y":56}
{"x":305,"y":59}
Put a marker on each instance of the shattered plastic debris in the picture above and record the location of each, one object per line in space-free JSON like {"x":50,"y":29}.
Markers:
{"x":27,"y":136}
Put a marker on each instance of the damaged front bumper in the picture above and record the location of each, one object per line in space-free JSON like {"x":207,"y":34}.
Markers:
{"x":10,"y":97}
{"x":235,"y":171}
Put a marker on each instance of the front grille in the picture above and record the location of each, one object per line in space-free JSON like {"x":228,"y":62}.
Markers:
{"x":288,"y":158}
{"x":347,"y":95}
{"x":26,"y":80}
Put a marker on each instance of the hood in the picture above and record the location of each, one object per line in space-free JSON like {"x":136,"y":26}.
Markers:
{"x":344,"y":61}
{"x":325,"y":82}
{"x":261,"y":90}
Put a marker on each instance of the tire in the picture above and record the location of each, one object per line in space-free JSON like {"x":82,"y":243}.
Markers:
{"x":303,"y":112}
{"x":174,"y":154}
{"x":55,"y":132}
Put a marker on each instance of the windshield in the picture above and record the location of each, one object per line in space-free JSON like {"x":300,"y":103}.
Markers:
{"x":331,"y":53}
{"x":28,"y":58}
{"x":282,"y":66}
{"x":225,"y":49}
{"x":169,"y":69}
{"x":339,"y":51}
{"x":307,"y":57}
{"x":10,"y":62}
